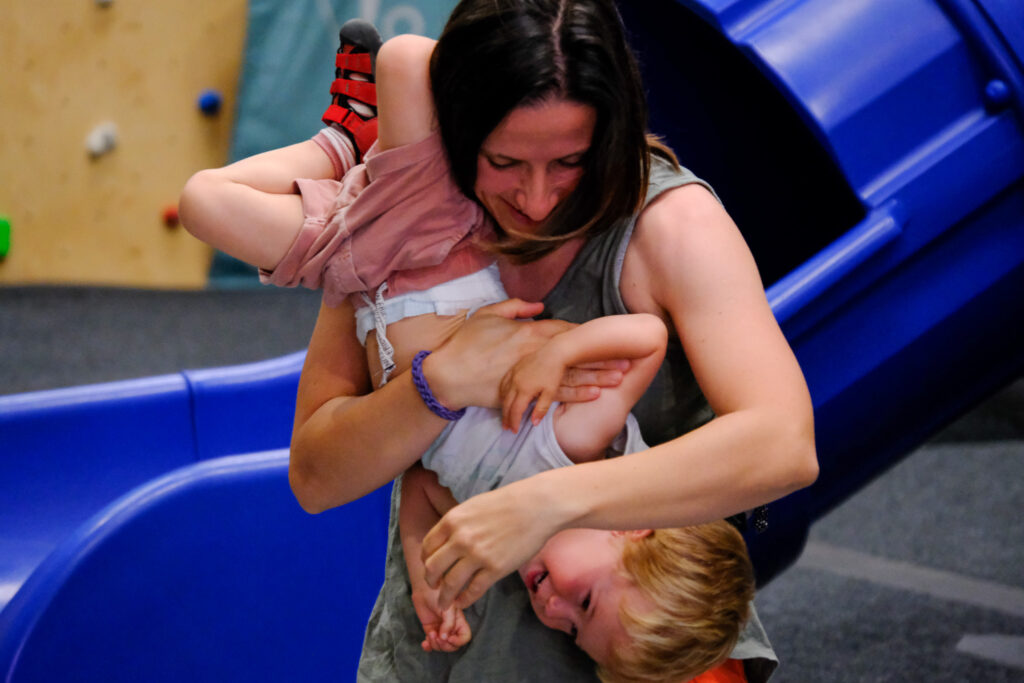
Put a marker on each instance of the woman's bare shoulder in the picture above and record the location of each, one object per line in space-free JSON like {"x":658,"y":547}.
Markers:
{"x":675,"y":235}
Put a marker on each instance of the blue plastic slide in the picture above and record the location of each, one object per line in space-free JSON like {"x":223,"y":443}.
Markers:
{"x":871,"y":151}
{"x":210,"y":572}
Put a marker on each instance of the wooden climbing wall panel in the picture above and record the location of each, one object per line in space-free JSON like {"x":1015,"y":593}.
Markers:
{"x":72,"y":65}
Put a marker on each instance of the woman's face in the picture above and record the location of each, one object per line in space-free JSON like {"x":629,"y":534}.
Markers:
{"x":532,"y":161}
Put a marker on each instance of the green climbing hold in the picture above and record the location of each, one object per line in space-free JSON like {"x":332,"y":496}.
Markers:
{"x":5,"y":236}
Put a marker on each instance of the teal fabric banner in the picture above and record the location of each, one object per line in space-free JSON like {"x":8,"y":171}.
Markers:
{"x":287,"y":72}
{"x":288,"y":64}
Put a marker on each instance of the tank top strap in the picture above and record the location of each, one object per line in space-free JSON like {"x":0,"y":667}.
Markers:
{"x":598,"y":266}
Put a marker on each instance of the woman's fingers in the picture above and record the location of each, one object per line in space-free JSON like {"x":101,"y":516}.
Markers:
{"x":512,"y":309}
{"x":475,"y":590}
{"x":577,"y":394}
{"x":454,"y":581}
{"x":584,"y":383}
{"x":450,"y":568}
{"x":607,"y":374}
{"x":484,"y":538}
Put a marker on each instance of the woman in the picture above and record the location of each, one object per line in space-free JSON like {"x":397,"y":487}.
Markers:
{"x":542,"y":113}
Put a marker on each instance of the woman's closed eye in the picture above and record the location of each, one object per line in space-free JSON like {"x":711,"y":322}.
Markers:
{"x":501,"y":165}
{"x":575,"y":161}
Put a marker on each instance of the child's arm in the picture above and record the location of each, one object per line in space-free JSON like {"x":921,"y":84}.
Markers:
{"x":637,"y":337}
{"x":423,"y":502}
{"x":584,"y":430}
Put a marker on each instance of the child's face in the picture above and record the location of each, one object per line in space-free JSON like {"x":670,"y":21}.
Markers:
{"x":576,"y":586}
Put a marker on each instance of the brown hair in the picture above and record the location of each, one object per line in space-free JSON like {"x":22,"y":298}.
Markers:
{"x":701,"y":583}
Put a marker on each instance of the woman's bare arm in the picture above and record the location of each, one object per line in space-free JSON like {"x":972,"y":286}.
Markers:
{"x":347,"y":441}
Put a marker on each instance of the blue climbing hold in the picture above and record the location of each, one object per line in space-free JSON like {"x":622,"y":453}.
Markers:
{"x":210,"y":102}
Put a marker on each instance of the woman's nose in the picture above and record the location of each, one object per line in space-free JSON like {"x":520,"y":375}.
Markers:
{"x":538,"y":196}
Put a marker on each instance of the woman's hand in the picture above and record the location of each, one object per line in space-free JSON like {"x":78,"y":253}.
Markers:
{"x":468,"y":368}
{"x":485,"y":538}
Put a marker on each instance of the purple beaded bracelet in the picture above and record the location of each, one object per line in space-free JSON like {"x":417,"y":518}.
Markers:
{"x":426,"y":394}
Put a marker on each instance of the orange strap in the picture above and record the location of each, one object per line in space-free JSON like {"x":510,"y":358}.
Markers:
{"x":730,"y":671}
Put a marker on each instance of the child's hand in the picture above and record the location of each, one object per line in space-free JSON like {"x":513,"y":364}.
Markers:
{"x":537,"y":377}
{"x":445,"y":630}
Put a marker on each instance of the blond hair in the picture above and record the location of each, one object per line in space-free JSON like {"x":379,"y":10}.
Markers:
{"x":701,"y":583}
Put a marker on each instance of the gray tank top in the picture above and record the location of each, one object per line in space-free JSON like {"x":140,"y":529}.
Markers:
{"x":509,"y":644}
{"x":673,"y":404}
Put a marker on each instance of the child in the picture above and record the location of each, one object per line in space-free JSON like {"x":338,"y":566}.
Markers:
{"x":396,"y":225}
{"x":671,"y":601}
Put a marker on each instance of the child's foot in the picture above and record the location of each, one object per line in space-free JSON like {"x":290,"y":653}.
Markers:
{"x":353,"y":108}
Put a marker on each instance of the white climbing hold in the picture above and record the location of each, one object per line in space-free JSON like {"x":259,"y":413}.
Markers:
{"x":101,"y":139}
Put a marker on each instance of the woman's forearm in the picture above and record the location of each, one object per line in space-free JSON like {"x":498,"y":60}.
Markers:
{"x":352,"y":445}
{"x":731,"y":464}
{"x":348,"y":440}
{"x":734,"y":463}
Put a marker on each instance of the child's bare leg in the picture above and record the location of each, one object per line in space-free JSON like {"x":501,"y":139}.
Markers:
{"x":405,"y":102}
{"x":409,"y":336}
{"x":250,"y":209}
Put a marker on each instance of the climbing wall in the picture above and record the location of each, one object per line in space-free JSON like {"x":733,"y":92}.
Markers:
{"x":100,"y":126}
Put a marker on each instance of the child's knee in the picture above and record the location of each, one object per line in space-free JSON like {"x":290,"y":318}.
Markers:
{"x":404,"y":97}
{"x":194,"y":196}
{"x":404,"y":60}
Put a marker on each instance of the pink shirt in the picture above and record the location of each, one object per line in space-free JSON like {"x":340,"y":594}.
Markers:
{"x":397,"y":218}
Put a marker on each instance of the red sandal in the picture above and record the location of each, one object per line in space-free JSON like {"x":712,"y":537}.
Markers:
{"x":356,"y":55}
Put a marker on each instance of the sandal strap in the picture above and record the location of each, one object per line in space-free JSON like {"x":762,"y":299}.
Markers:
{"x":359,"y":62}
{"x":364,"y":91}
{"x":346,"y":118}
{"x":364,"y":131}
